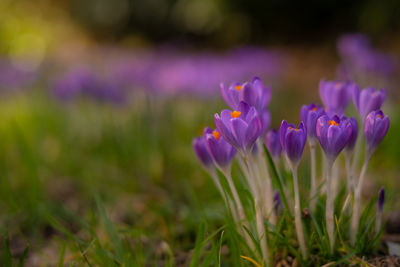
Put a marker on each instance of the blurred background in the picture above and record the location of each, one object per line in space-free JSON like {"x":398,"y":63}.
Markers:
{"x":100,"y":99}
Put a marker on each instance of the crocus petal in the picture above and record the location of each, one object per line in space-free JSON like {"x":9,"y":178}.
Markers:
{"x":239,"y":128}
{"x":253,"y":132}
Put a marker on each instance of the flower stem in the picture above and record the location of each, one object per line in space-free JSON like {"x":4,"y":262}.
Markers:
{"x":349,"y":185}
{"x":357,"y":202}
{"x":329,"y":210}
{"x":297,"y":214}
{"x":313,"y":177}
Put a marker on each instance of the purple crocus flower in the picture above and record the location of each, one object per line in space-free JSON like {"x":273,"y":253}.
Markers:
{"x":309,"y":114}
{"x":240,"y":127}
{"x":335,"y":96}
{"x":265,"y":117}
{"x":253,"y":93}
{"x":354,"y":132}
{"x":381,"y":199}
{"x":221,"y":151}
{"x":200,"y":148}
{"x":375,"y":129}
{"x":292,"y":141}
{"x":273,"y":143}
{"x":368,"y":100}
{"x":333,"y":134}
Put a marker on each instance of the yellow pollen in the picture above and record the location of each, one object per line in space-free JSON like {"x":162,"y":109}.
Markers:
{"x":235,"y":114}
{"x":314,"y":109}
{"x":332,"y":122}
{"x":216,"y":134}
{"x":290,"y":128}
{"x":296,"y":129}
{"x":238,"y":87}
{"x":380,"y":116}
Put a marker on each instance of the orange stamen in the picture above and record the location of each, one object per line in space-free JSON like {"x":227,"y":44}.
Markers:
{"x":238,"y":87}
{"x":337,"y":85}
{"x":314,"y":109}
{"x":216,"y":134}
{"x":380,"y":116}
{"x":235,"y":114}
{"x":332,"y":122}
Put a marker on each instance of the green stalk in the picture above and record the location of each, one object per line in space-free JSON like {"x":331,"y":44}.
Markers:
{"x":297,"y":214}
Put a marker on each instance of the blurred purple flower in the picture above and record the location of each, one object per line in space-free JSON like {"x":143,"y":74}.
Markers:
{"x":335,"y":95}
{"x":200,"y":148}
{"x":273,"y":143}
{"x":309,"y":114}
{"x":367,"y":100}
{"x":292,"y":141}
{"x":375,"y":129}
{"x":333,"y":134}
{"x":240,"y":127}
{"x":12,"y":77}
{"x":82,"y":82}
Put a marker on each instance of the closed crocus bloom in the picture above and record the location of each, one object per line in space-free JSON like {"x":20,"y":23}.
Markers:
{"x":367,"y":100}
{"x":240,"y":127}
{"x":333,"y":134}
{"x":253,"y":93}
{"x":335,"y":96}
{"x":200,"y":148}
{"x":375,"y":129}
{"x":221,"y":151}
{"x":273,"y":143}
{"x":309,"y":114}
{"x":265,"y":117}
{"x":353,"y":136}
{"x":292,"y":141}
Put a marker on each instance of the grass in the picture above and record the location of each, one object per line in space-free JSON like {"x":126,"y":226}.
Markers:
{"x":89,"y":184}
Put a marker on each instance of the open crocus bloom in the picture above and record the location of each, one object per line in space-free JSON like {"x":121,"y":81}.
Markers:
{"x":221,"y":151}
{"x":333,"y":134}
{"x":253,"y":93}
{"x":240,"y":127}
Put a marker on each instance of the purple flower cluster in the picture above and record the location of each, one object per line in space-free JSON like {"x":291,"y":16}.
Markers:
{"x":84,"y":83}
{"x":14,"y":77}
{"x":360,"y":60}
{"x":244,"y":128}
{"x":169,"y":71}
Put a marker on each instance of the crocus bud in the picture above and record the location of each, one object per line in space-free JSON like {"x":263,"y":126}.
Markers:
{"x":354,"y":132}
{"x":333,"y":135}
{"x":200,"y":148}
{"x":240,"y":127}
{"x":367,"y":100}
{"x":335,"y":96}
{"x":265,"y":118}
{"x":253,"y":93}
{"x":381,"y":199}
{"x":273,"y":144}
{"x":309,"y":114}
{"x":221,"y":151}
{"x":375,"y":129}
{"x":292,"y":141}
